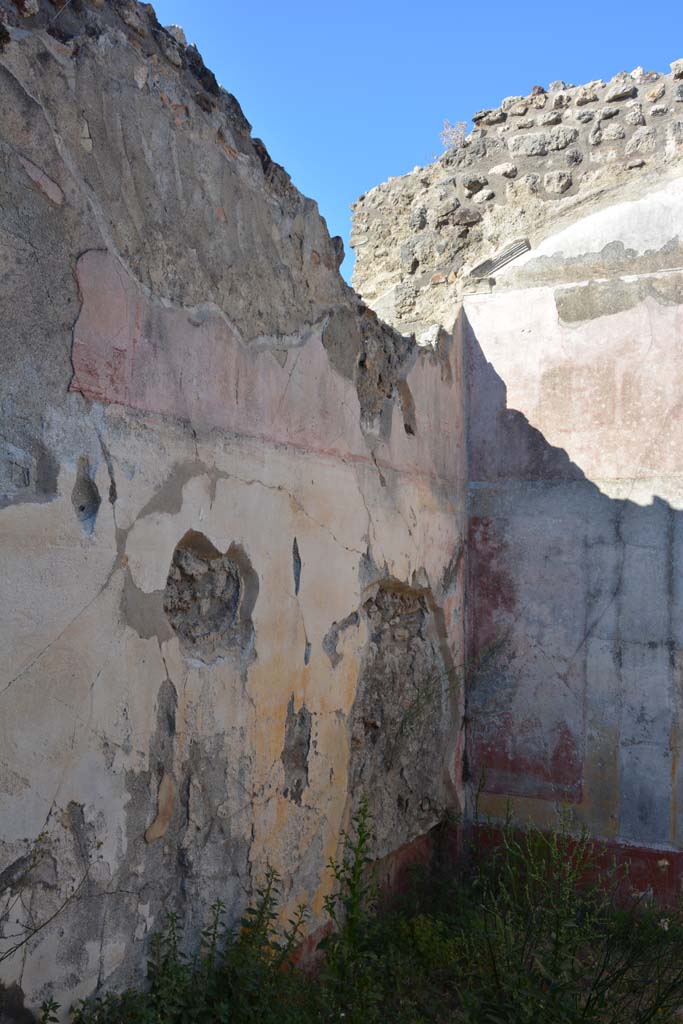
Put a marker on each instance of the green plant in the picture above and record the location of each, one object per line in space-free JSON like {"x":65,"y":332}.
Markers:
{"x":348,"y":975}
{"x":48,"y":1012}
{"x":546,"y":932}
{"x":241,"y":975}
{"x":353,"y":902}
{"x":532,"y":927}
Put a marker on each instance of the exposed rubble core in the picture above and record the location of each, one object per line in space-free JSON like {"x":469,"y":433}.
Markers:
{"x":533,"y":161}
{"x":368,"y":352}
{"x":401,"y":707}
{"x":206,"y":600}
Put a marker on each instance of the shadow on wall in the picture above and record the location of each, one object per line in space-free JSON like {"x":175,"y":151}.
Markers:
{"x":581,"y":598}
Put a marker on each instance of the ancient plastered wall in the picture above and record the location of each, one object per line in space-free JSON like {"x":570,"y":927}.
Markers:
{"x":233,"y":510}
{"x":573,"y":384}
{"x":575,"y":378}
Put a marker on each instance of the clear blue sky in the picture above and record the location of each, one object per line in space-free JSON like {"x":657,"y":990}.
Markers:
{"x":345,"y":95}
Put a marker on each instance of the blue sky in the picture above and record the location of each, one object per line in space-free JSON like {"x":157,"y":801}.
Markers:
{"x":346,"y":95}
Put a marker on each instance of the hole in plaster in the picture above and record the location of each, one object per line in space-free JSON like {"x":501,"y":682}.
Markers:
{"x":209,"y":598}
{"x":407,"y":408}
{"x":295,"y":751}
{"x":85,"y":496}
{"x":296,"y":566}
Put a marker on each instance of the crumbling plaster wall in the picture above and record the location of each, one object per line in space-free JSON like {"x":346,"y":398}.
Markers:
{"x":218,"y":471}
{"x":573,"y":381}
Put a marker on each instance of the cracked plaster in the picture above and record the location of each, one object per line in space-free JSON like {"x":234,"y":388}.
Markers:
{"x":173,"y":353}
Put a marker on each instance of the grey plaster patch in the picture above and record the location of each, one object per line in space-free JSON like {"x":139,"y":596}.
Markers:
{"x":605,"y":298}
{"x":144,"y":612}
{"x":342,"y":340}
{"x":169,"y":497}
{"x":295,"y":751}
{"x":331,"y":638}
{"x":613,"y":260}
{"x":185,"y":834}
